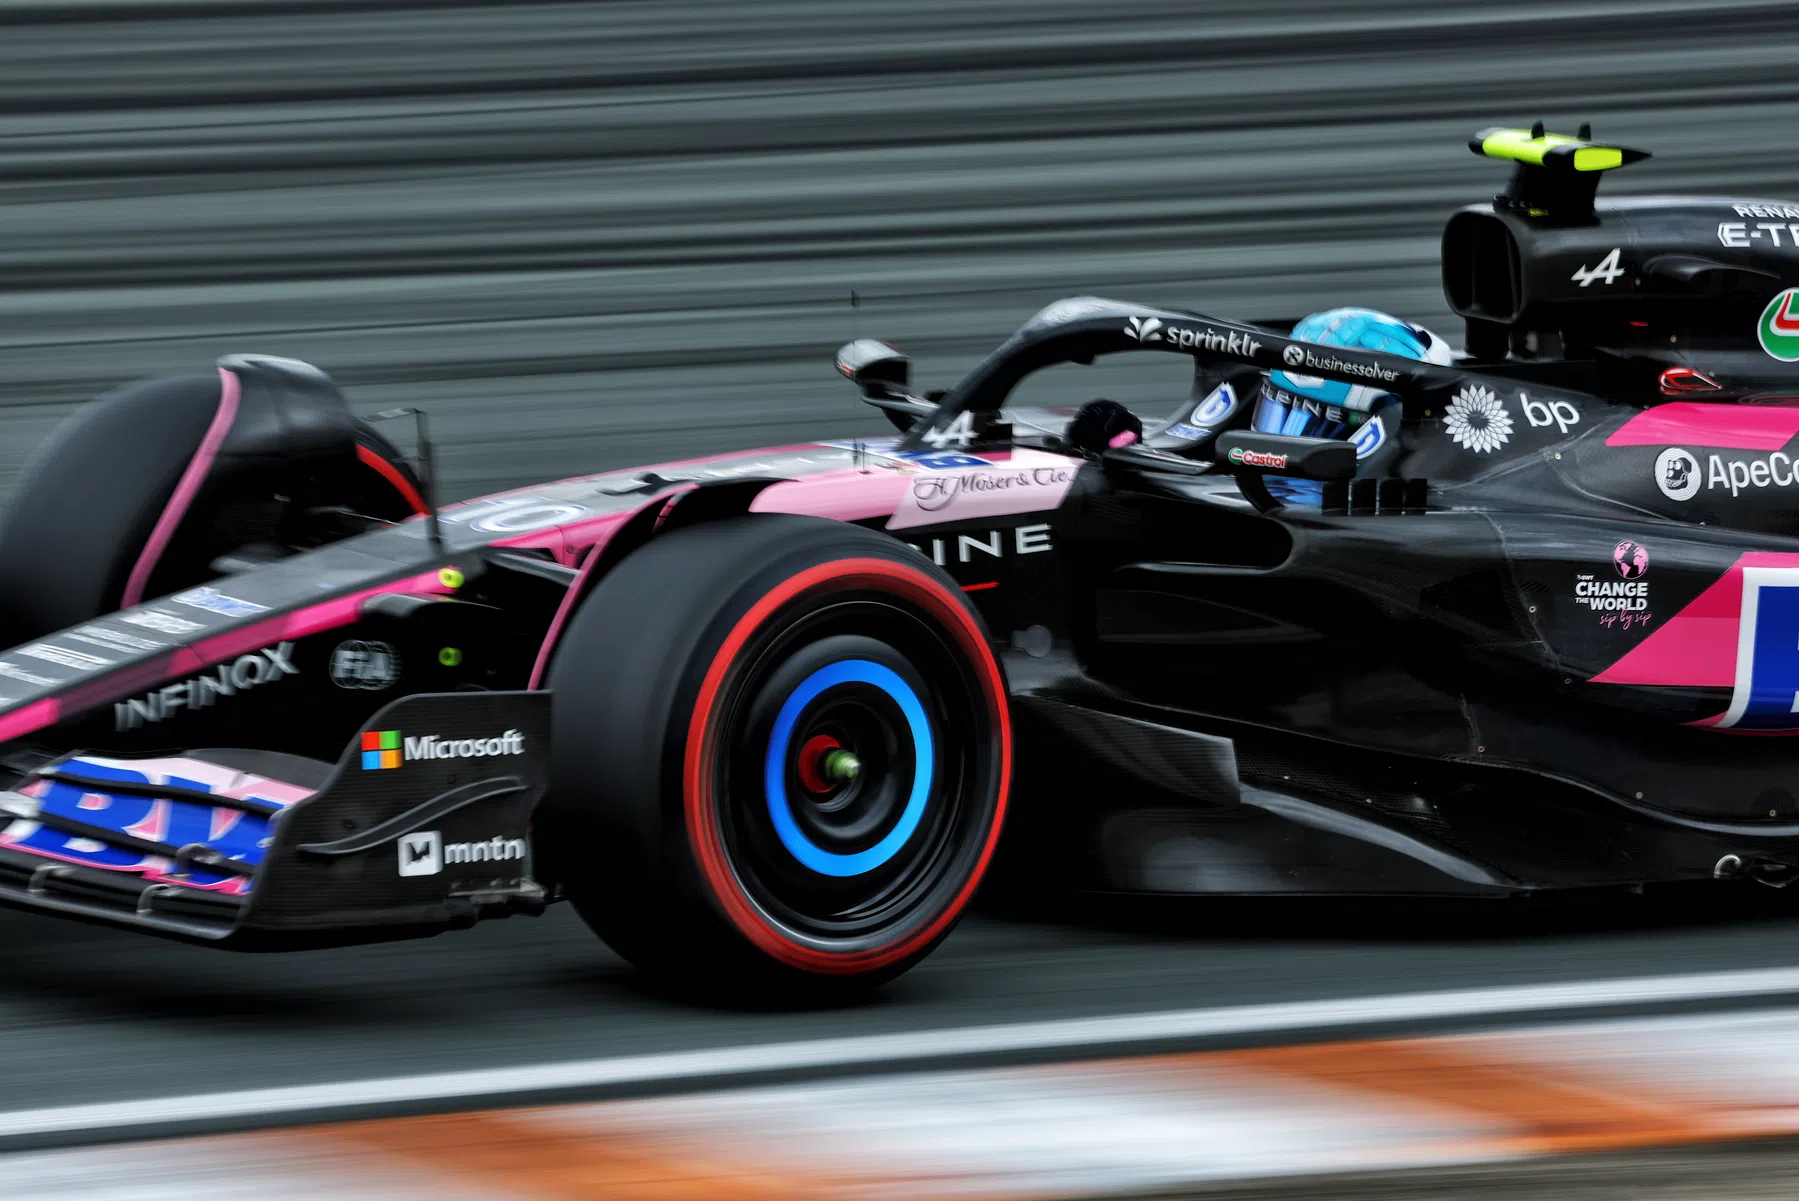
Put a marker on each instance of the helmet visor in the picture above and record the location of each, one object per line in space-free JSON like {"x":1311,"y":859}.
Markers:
{"x":1279,"y":411}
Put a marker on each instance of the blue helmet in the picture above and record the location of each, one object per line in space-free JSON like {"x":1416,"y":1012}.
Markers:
{"x":1326,"y":408}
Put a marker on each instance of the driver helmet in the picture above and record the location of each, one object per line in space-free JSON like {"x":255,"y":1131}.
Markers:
{"x":1309,"y":406}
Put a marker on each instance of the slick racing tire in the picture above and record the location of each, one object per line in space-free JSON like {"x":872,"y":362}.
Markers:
{"x":384,"y":485}
{"x":780,"y":758}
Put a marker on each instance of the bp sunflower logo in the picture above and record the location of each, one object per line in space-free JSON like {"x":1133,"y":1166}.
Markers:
{"x":1477,"y":420}
{"x":1779,"y":328}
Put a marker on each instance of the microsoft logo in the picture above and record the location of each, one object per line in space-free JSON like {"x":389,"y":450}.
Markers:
{"x":385,"y":748}
{"x":380,"y":748}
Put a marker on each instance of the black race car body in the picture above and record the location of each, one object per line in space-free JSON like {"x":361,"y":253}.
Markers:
{"x":389,"y":682}
{"x":1550,"y":643}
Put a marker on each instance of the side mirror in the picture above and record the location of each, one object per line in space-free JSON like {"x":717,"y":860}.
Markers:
{"x":875,"y":367}
{"x":1277,"y":454}
{"x":1250,"y":456}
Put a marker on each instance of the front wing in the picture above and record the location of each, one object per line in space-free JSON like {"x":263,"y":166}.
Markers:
{"x":422,"y":825}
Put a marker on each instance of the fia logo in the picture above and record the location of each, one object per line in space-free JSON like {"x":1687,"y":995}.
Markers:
{"x":372,"y":666}
{"x":421,"y":854}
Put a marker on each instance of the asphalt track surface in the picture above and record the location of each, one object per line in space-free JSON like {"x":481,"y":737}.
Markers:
{"x":591,"y":235}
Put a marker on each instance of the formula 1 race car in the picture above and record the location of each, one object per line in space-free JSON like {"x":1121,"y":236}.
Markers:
{"x":760,"y":717}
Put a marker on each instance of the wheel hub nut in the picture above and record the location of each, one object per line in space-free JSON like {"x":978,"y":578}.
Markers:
{"x":842,"y":766}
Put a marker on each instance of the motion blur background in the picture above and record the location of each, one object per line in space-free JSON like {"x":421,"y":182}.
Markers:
{"x":594,"y":234}
{"x":587,"y":235}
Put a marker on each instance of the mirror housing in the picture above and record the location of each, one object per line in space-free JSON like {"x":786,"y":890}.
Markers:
{"x":875,"y":367}
{"x":1277,"y":454}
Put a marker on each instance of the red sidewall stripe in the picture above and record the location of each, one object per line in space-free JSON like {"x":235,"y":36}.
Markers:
{"x":394,"y":476}
{"x":702,"y":738}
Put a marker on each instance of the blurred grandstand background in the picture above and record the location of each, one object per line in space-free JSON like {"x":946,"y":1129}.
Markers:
{"x":594,"y":234}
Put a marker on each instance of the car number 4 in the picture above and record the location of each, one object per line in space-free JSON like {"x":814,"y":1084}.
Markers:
{"x":959,"y":432}
{"x":1606,"y":269}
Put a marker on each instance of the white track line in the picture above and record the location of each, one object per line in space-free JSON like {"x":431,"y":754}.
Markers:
{"x":885,"y":1051}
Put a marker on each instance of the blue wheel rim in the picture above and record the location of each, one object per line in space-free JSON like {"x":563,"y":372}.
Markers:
{"x":780,"y":812}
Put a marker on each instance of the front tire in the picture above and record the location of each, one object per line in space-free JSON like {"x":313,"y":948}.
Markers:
{"x":781,"y":751}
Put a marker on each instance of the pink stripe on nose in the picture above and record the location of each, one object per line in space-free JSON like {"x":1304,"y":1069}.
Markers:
{"x":184,"y":493}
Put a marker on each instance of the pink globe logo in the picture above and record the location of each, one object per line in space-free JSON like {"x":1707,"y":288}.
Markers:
{"x":1631,"y":559}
